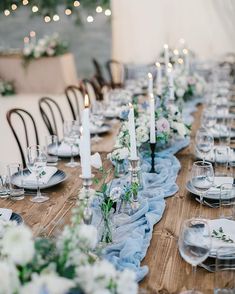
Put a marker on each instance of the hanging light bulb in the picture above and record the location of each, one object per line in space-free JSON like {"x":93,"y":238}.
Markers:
{"x":7,"y":12}
{"x":32,"y":34}
{"x":56,"y":17}
{"x":99,"y":9}
{"x":25,"y":2}
{"x":13,"y":6}
{"x":107,"y":12}
{"x":47,"y":18}
{"x":35,"y":8}
{"x":76,"y":3}
{"x":90,"y":18}
{"x":68,"y":11}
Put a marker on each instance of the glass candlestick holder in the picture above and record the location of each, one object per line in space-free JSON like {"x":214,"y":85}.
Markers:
{"x":86,"y":195}
{"x":135,"y":169}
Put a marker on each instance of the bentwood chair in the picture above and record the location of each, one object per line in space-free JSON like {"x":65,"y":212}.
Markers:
{"x":51,"y":115}
{"x":24,"y":130}
{"x":117,"y":73}
{"x":89,"y":89}
{"x":99,"y":73}
{"x":75,"y":97}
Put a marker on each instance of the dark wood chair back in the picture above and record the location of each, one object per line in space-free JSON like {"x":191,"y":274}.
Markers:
{"x":99,"y":73}
{"x":117,"y":73}
{"x":25,"y":118}
{"x":75,"y":97}
{"x":88,"y":88}
{"x":51,"y":112}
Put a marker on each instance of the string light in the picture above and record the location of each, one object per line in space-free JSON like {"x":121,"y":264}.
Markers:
{"x":99,"y":9}
{"x":107,"y":12}
{"x":68,"y":11}
{"x":180,"y":61}
{"x":76,"y":3}
{"x":47,"y":18}
{"x":185,"y":51}
{"x":7,"y":12}
{"x":176,"y":52}
{"x":25,"y":2}
{"x":32,"y":34}
{"x":56,"y":17}
{"x":13,"y":6}
{"x":35,"y":8}
{"x":26,"y":40}
{"x":90,"y":18}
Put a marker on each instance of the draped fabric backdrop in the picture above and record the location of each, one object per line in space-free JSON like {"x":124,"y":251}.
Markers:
{"x":140,"y":28}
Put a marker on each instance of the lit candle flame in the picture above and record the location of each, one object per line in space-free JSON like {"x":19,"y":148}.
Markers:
{"x":130,"y":105}
{"x":86,"y":101}
{"x":150,"y":75}
{"x":158,"y":64}
{"x":165,"y":46}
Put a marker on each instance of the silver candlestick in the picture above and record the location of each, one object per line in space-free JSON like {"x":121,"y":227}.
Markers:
{"x":134,"y":169}
{"x":87,"y":213}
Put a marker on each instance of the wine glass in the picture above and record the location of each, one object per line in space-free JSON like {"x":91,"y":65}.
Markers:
{"x":71,"y":137}
{"x":97,"y":119}
{"x":194,"y":244}
{"x":204,"y":142}
{"x":202,"y":178}
{"x":36,"y":162}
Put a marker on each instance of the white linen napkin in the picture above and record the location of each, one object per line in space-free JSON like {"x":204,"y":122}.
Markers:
{"x":5,"y":214}
{"x":228,"y":227}
{"x":48,"y":172}
{"x":218,"y":181}
{"x":64,"y":149}
{"x":96,"y":161}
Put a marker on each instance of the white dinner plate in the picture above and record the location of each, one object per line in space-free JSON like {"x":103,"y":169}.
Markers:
{"x":59,"y":177}
{"x":100,"y":130}
{"x":213,"y":193}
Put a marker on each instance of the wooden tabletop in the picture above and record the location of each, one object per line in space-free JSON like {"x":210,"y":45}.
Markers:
{"x":168,"y":273}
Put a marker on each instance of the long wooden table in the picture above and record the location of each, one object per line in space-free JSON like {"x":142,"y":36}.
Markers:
{"x":168,"y":273}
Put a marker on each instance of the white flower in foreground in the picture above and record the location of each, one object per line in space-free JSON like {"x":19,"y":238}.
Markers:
{"x":126,"y":282}
{"x":116,"y":193}
{"x":180,"y":128}
{"x":50,"y":284}
{"x":180,"y":92}
{"x":120,"y":154}
{"x":18,"y":245}
{"x":9,"y":282}
{"x":88,"y":235}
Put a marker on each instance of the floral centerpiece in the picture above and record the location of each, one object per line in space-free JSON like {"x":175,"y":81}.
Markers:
{"x":47,"y":46}
{"x":169,"y":125}
{"x":6,"y":88}
{"x":68,"y":264}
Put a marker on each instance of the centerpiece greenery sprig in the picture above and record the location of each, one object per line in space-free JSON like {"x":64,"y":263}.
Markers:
{"x":220,"y":234}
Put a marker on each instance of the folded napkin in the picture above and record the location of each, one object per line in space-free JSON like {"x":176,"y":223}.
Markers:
{"x":218,"y":181}
{"x":5,"y":214}
{"x":96,"y":161}
{"x":228,"y":227}
{"x":48,"y":172}
{"x":64,"y":149}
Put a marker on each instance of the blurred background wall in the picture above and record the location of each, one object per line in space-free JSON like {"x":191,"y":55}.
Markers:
{"x":140,"y":28}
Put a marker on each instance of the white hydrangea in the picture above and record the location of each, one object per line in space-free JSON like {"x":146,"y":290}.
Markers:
{"x":180,"y":128}
{"x":9,"y":282}
{"x":126,"y":283}
{"x":120,"y":154}
{"x":180,"y":92}
{"x":50,"y":284}
{"x":88,"y":234}
{"x":17,"y":243}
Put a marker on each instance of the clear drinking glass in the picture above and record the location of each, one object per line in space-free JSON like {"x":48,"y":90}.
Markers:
{"x":36,"y":162}
{"x":202,"y":178}
{"x":221,"y":160}
{"x":224,"y":131}
{"x":227,"y":201}
{"x":194,"y":244}
{"x":204,"y":142}
{"x":4,"y":181}
{"x":52,"y":149}
{"x":225,"y":270}
{"x":71,"y":136}
{"x":15,"y":174}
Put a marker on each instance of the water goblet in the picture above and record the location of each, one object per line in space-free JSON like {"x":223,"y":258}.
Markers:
{"x":36,"y":162}
{"x":71,"y":136}
{"x":204,"y":142}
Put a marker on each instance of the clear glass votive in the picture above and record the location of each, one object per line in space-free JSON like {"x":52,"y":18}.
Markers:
{"x":224,"y":272}
{"x":52,"y":149}
{"x":221,"y":160}
{"x":227,"y":201}
{"x":15,"y":174}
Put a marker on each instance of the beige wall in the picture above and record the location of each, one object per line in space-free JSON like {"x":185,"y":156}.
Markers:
{"x":141,"y":27}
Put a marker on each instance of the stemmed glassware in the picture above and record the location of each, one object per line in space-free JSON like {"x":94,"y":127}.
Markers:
{"x":97,"y":119}
{"x":71,"y":137}
{"x":36,"y":162}
{"x":202,"y":178}
{"x":204,"y":142}
{"x":194,"y":244}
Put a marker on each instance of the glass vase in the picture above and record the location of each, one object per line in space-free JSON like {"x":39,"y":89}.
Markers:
{"x":106,"y":228}
{"x":120,"y":169}
{"x":125,"y":207}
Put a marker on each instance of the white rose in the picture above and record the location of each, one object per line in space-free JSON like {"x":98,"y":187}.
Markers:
{"x":17,"y":243}
{"x":50,"y":51}
{"x":50,"y":284}
{"x":9,"y":282}
{"x":180,"y":92}
{"x":127,"y":283}
{"x":181,"y":129}
{"x":89,"y":235}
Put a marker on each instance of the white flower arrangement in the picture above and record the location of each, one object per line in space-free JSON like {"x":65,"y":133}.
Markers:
{"x":58,"y":266}
{"x":48,"y":46}
{"x":6,"y":88}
